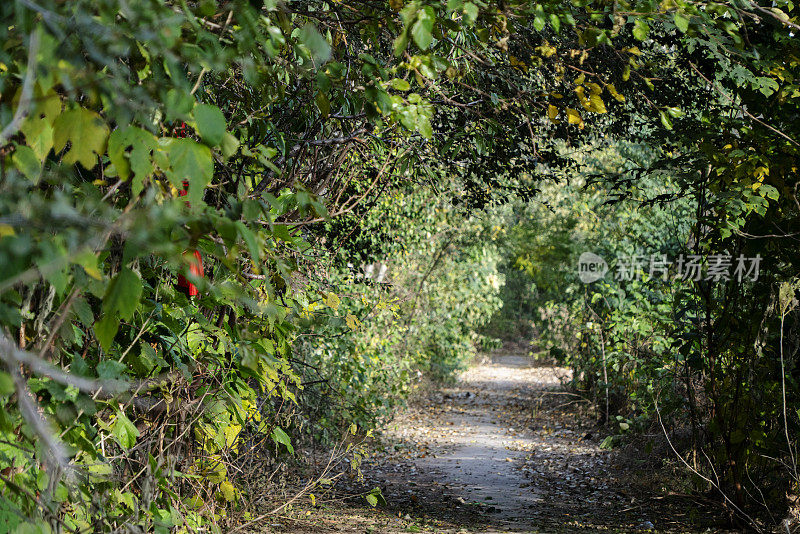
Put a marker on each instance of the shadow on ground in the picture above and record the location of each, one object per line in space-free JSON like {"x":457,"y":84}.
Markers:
{"x":506,"y":449}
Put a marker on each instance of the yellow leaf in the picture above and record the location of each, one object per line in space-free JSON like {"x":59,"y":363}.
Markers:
{"x":228,"y":491}
{"x":552,"y":112}
{"x":614,"y":93}
{"x":546,"y":50}
{"x":231,"y":434}
{"x":597,"y":104}
{"x":352,"y":321}
{"x":194,"y":502}
{"x":6,"y":230}
{"x":332,"y":301}
{"x":573,"y":117}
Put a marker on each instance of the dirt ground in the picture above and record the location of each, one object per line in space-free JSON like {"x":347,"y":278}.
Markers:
{"x":506,"y":449}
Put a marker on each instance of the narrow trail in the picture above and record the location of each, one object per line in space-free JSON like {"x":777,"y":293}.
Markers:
{"x":505,"y":449}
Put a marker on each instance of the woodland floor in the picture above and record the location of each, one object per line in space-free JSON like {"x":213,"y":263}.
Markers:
{"x":506,"y":449}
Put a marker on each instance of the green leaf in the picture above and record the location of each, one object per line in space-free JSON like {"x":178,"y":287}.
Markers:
{"x":190,"y":161}
{"x":138,"y":160}
{"x":88,"y":260}
{"x":6,"y":384}
{"x":539,"y":20}
{"x":401,"y":43}
{"x":105,"y":329}
{"x":210,"y":123}
{"x":110,"y":370}
{"x":179,"y":104}
{"x":424,"y":127}
{"x":681,"y":21}
{"x":470,"y":13}
{"x":400,"y":84}
{"x":316,"y":44}
{"x":122,"y":295}
{"x":124,"y":431}
{"x":280,"y":437}
{"x":421,"y":31}
{"x":555,"y":22}
{"x":26,"y":162}
{"x":33,"y":528}
{"x":640,"y":29}
{"x":230,"y":144}
{"x":83,"y":311}
{"x":665,"y":120}
{"x":38,"y":136}
{"x":85,"y":131}
{"x":375,"y":496}
{"x":323,"y":104}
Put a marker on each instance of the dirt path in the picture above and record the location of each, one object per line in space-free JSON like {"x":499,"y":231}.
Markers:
{"x":506,"y":449}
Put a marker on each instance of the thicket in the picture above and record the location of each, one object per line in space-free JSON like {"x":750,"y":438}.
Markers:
{"x":197,"y":200}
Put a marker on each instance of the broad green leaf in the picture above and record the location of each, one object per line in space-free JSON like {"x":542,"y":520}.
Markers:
{"x":210,"y":123}
{"x":26,"y":162}
{"x":282,"y":438}
{"x":613,"y":90}
{"x":48,"y":105}
{"x":6,"y":384}
{"x":400,"y":43}
{"x":421,"y":31}
{"x":190,"y":161}
{"x":555,"y":22}
{"x":230,"y":144}
{"x":640,"y":29}
{"x":110,"y":370}
{"x":40,"y":527}
{"x":316,"y":44}
{"x":86,"y":133}
{"x":122,"y":295}
{"x":105,"y":329}
{"x":400,"y":84}
{"x":131,"y":149}
{"x":470,"y":13}
{"x":38,"y":136}
{"x":88,"y":260}
{"x":424,"y":127}
{"x":124,"y":431}
{"x":681,"y":21}
{"x":83,"y":311}
{"x":179,"y":104}
{"x":573,"y":117}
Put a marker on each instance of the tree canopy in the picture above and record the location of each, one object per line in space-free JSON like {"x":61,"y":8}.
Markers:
{"x":291,"y":143}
